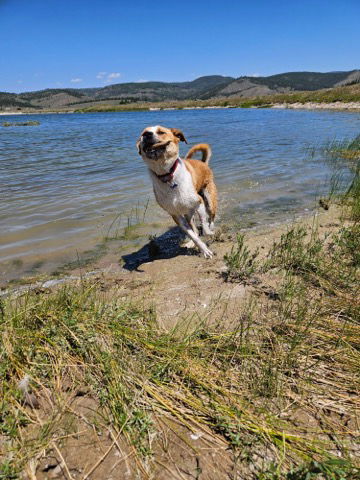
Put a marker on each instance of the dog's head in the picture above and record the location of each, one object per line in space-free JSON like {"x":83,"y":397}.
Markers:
{"x":158,"y":145}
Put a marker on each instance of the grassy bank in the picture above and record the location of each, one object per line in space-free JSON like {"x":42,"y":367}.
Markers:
{"x":346,"y":94}
{"x":91,"y":384}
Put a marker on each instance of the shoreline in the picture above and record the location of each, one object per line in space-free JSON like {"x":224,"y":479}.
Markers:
{"x":171,"y":250}
{"x":99,"y":254}
{"x":354,"y":106}
{"x":339,"y":106}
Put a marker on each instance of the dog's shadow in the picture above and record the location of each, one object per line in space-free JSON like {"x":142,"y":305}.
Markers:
{"x":166,"y":245}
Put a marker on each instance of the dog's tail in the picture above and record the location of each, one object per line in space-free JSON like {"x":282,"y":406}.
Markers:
{"x":204,"y":148}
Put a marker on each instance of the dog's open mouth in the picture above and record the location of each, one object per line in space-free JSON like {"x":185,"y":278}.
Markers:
{"x":154,"y":149}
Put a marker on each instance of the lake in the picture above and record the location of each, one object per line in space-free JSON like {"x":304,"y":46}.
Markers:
{"x":76,"y":179}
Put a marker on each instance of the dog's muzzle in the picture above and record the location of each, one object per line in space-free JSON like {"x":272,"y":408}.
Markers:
{"x":151,"y":146}
{"x":148,"y":139}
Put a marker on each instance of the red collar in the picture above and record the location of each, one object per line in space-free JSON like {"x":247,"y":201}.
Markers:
{"x":167,"y":177}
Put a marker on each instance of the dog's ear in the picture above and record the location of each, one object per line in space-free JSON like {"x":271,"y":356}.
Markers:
{"x":179,"y":134}
{"x":138,"y":146}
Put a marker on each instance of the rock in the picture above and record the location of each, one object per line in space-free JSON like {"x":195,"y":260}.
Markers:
{"x":56,"y":472}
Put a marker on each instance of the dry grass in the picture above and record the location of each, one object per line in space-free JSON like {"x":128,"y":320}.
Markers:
{"x":244,"y":385}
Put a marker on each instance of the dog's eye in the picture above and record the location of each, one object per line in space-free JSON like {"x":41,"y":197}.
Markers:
{"x":161,"y":133}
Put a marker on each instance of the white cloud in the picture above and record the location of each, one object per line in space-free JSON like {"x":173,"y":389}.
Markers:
{"x":76,"y":80}
{"x":141,"y":80}
{"x":101,"y":75}
{"x":113,"y":75}
{"x":254,"y":75}
{"x":108,"y":77}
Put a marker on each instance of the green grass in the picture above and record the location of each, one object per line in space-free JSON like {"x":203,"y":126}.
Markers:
{"x":344,"y":157}
{"x":334,"y":469}
{"x":240,"y":261}
{"x":346,"y":149}
{"x":120,"y":229}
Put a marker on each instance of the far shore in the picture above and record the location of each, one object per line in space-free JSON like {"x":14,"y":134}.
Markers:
{"x":344,"y":106}
{"x":321,"y":106}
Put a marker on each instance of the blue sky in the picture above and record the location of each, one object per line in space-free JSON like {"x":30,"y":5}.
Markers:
{"x":77,"y":43}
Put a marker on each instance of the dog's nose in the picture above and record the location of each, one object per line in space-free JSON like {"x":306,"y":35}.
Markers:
{"x":147,"y":134}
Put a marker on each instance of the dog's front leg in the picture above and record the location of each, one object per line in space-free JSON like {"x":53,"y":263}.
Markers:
{"x":191,"y":221}
{"x":184,"y":225}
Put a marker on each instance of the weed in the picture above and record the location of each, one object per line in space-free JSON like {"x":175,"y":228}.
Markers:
{"x":348,"y":150}
{"x":331,"y":469}
{"x":7,"y":472}
{"x":125,"y":230}
{"x":344,"y":156}
{"x":240,"y":261}
{"x":349,"y":240}
{"x":293,"y":252}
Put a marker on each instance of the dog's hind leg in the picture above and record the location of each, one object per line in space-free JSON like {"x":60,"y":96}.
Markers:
{"x":185,"y":227}
{"x":204,"y":218}
{"x":210,"y":199}
{"x":191,"y":221}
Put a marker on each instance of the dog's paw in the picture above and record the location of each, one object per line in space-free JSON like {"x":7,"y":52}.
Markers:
{"x":207,"y":253}
{"x":208,"y":232}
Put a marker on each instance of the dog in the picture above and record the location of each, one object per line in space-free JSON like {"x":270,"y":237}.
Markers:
{"x":183,"y":188}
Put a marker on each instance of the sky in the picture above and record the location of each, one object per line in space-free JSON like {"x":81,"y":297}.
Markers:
{"x":77,"y":43}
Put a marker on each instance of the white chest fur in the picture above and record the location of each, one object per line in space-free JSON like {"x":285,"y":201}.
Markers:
{"x":179,"y":199}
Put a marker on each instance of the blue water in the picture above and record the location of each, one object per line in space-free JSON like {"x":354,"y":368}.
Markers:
{"x":64,"y":181}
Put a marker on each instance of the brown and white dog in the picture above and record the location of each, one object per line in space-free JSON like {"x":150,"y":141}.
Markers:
{"x":182,"y":187}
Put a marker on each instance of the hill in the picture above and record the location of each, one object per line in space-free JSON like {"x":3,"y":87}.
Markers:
{"x":344,"y":97}
{"x":202,"y":88}
{"x":284,"y":83}
{"x":156,"y":91}
{"x":119,"y":93}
